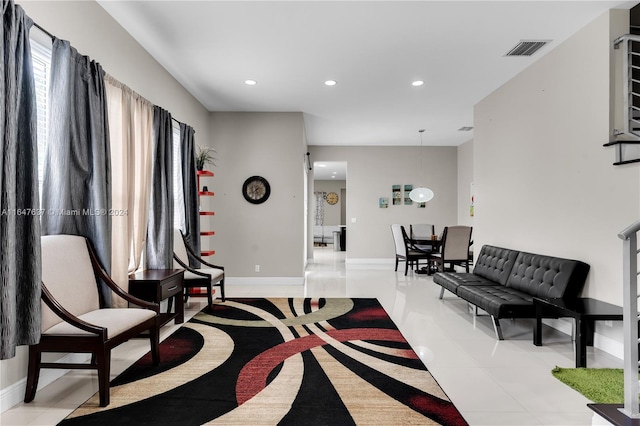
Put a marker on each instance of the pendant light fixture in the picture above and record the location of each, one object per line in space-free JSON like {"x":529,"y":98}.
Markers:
{"x":421,"y":194}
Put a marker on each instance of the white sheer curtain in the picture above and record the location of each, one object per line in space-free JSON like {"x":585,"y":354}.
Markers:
{"x":130,"y":127}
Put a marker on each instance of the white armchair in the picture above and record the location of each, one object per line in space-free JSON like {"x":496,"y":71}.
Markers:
{"x":74,"y":318}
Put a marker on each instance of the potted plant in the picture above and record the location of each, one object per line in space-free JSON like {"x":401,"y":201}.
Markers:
{"x":204,"y":156}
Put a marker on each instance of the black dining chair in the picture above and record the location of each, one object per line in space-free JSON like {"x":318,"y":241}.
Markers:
{"x":454,"y":249}
{"x":405,"y":250}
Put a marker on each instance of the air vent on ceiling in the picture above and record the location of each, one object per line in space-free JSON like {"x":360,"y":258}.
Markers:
{"x":465,"y":129}
{"x":526,"y":47}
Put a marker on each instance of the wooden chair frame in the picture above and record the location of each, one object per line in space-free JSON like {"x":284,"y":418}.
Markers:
{"x":97,"y":344}
{"x":206,"y":280}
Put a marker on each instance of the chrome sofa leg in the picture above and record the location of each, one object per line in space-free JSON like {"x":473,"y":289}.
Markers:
{"x":496,"y":327}
{"x":441,"y":293}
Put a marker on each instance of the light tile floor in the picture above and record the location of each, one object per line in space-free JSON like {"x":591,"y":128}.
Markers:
{"x":491,"y":382}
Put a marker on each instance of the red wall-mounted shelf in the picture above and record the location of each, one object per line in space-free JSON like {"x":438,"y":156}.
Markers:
{"x":205,"y":173}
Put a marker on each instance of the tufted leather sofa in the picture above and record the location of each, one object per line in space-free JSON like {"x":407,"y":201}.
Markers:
{"x":504,"y":282}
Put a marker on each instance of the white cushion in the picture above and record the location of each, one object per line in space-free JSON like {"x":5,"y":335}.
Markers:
{"x":216,"y":274}
{"x":68,"y":274}
{"x":116,"y":321}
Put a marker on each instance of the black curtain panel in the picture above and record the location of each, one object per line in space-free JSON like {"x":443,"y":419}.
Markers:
{"x":76,"y":186}
{"x":20,"y":268}
{"x":159,"y":245}
{"x":190,"y":187}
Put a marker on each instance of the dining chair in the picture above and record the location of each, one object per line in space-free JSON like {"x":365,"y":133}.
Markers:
{"x":405,"y":250}
{"x":212,"y":276}
{"x":422,"y":232}
{"x":454,"y":249}
{"x":74,"y":318}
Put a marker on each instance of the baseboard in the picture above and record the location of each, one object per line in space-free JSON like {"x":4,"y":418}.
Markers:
{"x":609,"y":345}
{"x":260,"y":281}
{"x":14,"y":394}
{"x":600,"y":341}
{"x":370,"y":261}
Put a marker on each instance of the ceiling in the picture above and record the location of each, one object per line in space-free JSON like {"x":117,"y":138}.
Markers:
{"x":374,"y":50}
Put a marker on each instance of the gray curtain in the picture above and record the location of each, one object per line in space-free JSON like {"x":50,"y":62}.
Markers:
{"x":76,"y":187}
{"x":20,"y":267}
{"x":190,"y":185}
{"x":159,"y":245}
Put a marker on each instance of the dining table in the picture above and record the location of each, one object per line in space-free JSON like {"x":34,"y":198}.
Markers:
{"x":435,"y":248}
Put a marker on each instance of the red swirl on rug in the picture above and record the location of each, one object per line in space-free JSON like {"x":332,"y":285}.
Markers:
{"x":253,"y":377}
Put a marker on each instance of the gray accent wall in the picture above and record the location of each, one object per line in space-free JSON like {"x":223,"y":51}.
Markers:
{"x":271,"y":234}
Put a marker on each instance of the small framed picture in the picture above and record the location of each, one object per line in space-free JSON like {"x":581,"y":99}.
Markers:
{"x":396,"y":190}
{"x":407,"y":189}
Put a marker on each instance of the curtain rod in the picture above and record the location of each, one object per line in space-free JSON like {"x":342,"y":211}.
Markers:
{"x":38,"y":26}
{"x":43,"y":30}
{"x":179,"y":122}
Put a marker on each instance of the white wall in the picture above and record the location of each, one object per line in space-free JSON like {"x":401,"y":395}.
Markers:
{"x":271,"y":234}
{"x":371,"y":171}
{"x":465,"y":180}
{"x":543,"y":181}
{"x":94,"y":33}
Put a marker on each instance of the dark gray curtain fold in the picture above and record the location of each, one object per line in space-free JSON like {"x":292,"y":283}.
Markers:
{"x":159,"y":244}
{"x":190,"y":187}
{"x":76,"y":188}
{"x":20,"y":266}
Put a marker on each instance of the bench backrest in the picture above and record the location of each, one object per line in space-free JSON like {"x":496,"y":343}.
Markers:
{"x":495,"y":263}
{"x":68,"y":274}
{"x":547,"y":276}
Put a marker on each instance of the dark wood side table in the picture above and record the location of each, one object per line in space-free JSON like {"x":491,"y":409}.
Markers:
{"x":585,"y":312}
{"x":156,"y":285}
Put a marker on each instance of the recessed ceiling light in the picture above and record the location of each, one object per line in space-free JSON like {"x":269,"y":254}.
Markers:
{"x":250,"y":82}
{"x":417,"y":83}
{"x":330,"y":82}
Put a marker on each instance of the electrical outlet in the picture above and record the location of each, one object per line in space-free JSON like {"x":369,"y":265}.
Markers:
{"x":257,"y":268}
{"x":608,"y":323}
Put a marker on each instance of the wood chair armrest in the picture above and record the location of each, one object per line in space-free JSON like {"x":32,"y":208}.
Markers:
{"x":189,"y":268}
{"x":115,"y":287}
{"x":201,"y":260}
{"x":67,"y":316}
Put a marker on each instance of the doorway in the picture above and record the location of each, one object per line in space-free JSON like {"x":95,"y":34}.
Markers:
{"x":329,"y":205}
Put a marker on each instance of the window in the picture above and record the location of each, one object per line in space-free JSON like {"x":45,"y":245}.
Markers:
{"x":178,"y":190}
{"x":41,"y":57}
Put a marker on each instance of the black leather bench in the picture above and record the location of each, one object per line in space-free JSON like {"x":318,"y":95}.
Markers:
{"x":504,"y":282}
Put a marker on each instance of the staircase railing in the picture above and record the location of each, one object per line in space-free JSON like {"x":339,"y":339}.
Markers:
{"x":627,"y":139}
{"x":629,"y":238}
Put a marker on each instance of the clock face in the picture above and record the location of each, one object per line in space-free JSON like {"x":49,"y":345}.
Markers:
{"x":256,"y":190}
{"x":332,"y":198}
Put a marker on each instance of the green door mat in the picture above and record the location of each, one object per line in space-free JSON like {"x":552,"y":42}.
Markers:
{"x":600,"y":385}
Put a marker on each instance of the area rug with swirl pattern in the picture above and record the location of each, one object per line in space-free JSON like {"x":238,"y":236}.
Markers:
{"x":279,"y":362}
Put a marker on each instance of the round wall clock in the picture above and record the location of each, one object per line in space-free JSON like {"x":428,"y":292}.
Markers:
{"x":332,"y":198}
{"x":256,"y":190}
